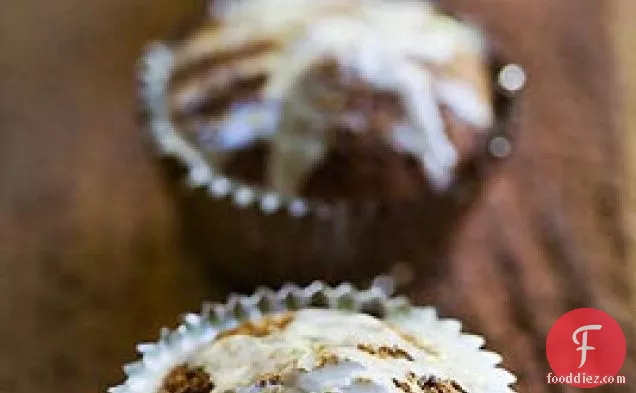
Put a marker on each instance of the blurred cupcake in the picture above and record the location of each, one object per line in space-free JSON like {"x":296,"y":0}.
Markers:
{"x":320,"y":340}
{"x":329,"y":131}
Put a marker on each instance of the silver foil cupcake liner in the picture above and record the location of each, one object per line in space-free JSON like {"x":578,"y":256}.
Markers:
{"x":154,"y":75}
{"x":477,"y":368}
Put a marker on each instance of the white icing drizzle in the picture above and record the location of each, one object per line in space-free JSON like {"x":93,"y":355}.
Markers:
{"x":350,"y":343}
{"x":248,"y":122}
{"x":400,"y":45}
{"x":465,"y":102}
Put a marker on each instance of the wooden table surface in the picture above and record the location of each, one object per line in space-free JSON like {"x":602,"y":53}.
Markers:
{"x":91,"y":252}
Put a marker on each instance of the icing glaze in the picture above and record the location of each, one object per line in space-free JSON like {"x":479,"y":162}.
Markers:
{"x":406,"y":47}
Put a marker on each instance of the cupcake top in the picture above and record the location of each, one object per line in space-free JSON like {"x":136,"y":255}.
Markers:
{"x":320,"y":351}
{"x":386,"y":97}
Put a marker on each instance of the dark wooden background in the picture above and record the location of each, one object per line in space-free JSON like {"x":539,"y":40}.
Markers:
{"x":91,"y":252}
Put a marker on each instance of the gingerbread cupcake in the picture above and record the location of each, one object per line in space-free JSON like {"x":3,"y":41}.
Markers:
{"x":316,"y":339}
{"x":326,"y":131}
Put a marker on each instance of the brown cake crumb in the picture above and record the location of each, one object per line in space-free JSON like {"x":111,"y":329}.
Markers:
{"x":264,"y":327}
{"x":184,"y":379}
{"x":386,"y":352}
{"x":394,"y":352}
{"x":272,"y":379}
{"x":404,"y":386}
{"x":363,"y":380}
{"x":432,"y":384}
{"x":414,"y":341}
{"x":366,"y":348}
{"x":327,"y":359}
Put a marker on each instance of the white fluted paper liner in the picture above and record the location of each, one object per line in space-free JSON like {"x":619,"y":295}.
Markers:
{"x":156,"y":69}
{"x":459,"y":356}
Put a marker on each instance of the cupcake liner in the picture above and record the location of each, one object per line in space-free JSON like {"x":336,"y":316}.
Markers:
{"x":460,"y":355}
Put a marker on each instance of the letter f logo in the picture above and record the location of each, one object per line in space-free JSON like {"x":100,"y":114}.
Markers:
{"x":584,"y":347}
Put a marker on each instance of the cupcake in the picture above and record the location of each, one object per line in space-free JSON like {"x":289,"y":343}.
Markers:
{"x":331,"y":130}
{"x":316,"y":339}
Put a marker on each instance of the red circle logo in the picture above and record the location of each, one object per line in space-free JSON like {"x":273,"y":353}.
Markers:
{"x":585,"y":347}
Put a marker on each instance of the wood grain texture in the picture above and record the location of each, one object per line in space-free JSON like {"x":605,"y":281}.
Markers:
{"x":91,"y":252}
{"x":90,"y":256}
{"x":624,"y":31}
